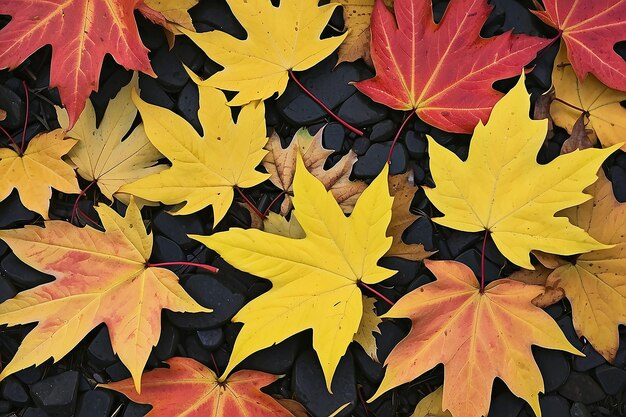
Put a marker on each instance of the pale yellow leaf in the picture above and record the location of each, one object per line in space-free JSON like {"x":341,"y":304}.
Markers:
{"x":369,"y":325}
{"x":430,"y":405}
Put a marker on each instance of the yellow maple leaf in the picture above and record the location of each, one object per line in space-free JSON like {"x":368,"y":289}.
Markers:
{"x":205,"y":169}
{"x":37,"y":171}
{"x":356,"y":16}
{"x":107,"y":154}
{"x":477,"y":336}
{"x":501,"y":187}
{"x":171,"y":14}
{"x":607,"y":117}
{"x":279,"y":39}
{"x":101,"y":277}
{"x":280,"y":163}
{"x":314,"y":279}
{"x":430,"y":405}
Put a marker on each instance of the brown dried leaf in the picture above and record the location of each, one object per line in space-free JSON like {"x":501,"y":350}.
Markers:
{"x":294,"y":407}
{"x":281,"y":162}
{"x":3,"y":115}
{"x":369,"y":325}
{"x":579,"y":138}
{"x":542,"y":111}
{"x":539,"y":276}
{"x":402,"y":188}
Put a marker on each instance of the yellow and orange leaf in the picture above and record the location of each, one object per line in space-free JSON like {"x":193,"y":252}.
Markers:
{"x":476,"y":336}
{"x":101,"y":277}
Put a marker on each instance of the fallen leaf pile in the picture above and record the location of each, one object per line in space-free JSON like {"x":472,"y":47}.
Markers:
{"x":322,"y":241}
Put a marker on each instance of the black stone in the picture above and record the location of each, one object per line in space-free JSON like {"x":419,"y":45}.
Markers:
{"x":7,"y":290}
{"x":277,"y":359}
{"x":168,"y":342}
{"x":152,"y":36}
{"x":372,"y":370}
{"x":14,"y":107}
{"x":166,"y":250}
{"x":330,"y":86}
{"x":579,"y":410}
{"x":383,"y":131}
{"x":96,"y":403}
{"x":359,"y":110}
{"x":407,"y":270}
{"x":419,"y":281}
{"x":12,"y":389}
{"x":176,"y":228}
{"x":516,"y":17}
{"x":389,"y":337}
{"x":618,"y":178}
{"x":211,"y":338}
{"x":612,"y":379}
{"x":211,"y":15}
{"x":553,"y":405}
{"x":582,"y":388}
{"x":591,"y":359}
{"x":421,"y":231}
{"x":554,"y":367}
{"x":472,"y":259}
{"x":193,"y":349}
{"x":187,"y":52}
{"x":151,"y":92}
{"x":370,"y":164}
{"x":310,"y":387}
{"x":23,"y":275}
{"x":5,"y":406}
{"x":56,"y":395}
{"x":415,"y":144}
{"x":460,"y":241}
{"x":34,"y":412}
{"x":209,"y":292}
{"x":29,"y":375}
{"x":170,"y":72}
{"x":333,"y":136}
{"x":566,"y":325}
{"x":505,"y":405}
{"x":136,"y":410}
{"x":118,"y":371}
{"x":13,"y":214}
{"x":188,"y":104}
{"x":100,"y":349}
{"x":361,"y":145}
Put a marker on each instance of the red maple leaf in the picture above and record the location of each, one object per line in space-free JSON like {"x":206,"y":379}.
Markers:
{"x":442,"y":71}
{"x":590,"y":29}
{"x":81,"y":33}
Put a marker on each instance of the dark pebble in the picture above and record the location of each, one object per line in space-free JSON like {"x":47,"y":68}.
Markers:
{"x":372,"y":370}
{"x":13,"y":214}
{"x":23,"y":275}
{"x":611,"y":379}
{"x":210,"y":15}
{"x":421,"y":231}
{"x":361,"y":145}
{"x":618,"y":178}
{"x":582,"y":388}
{"x":383,"y":131}
{"x":517,"y":17}
{"x":472,"y":259}
{"x":14,"y":107}
{"x":505,"y":405}
{"x":136,"y":410}
{"x":419,"y":281}
{"x":566,"y":325}
{"x":333,"y":136}
{"x":95,"y":404}
{"x":118,"y":371}
{"x":415,"y":144}
{"x":168,"y":342}
{"x":166,"y":250}
{"x":5,"y":406}
{"x":151,"y":92}
{"x":459,"y":241}
{"x":170,"y":72}
{"x":187,"y":52}
{"x":176,"y":228}
{"x":370,"y":164}
{"x":29,"y":375}
{"x":152,"y":36}
{"x":188,"y":104}
{"x":109,"y":87}
{"x":359,"y":110}
{"x":100,"y":349}
{"x":310,"y":389}
{"x":12,"y":389}
{"x":34,"y":412}
{"x":209,"y":292}
{"x":211,"y":339}
{"x":553,"y":405}
{"x":7,"y":290}
{"x":193,"y":349}
{"x":56,"y":395}
{"x":407,"y":270}
{"x":330,"y":86}
{"x":591,"y":359}
{"x":579,"y":410}
{"x":554,"y":367}
{"x":277,"y":359}
{"x":389,"y":337}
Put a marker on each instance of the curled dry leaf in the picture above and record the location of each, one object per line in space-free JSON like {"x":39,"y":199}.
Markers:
{"x":100,"y":277}
{"x":542,"y":111}
{"x":107,"y":154}
{"x":606,"y":117}
{"x":188,"y":388}
{"x":475,"y":195}
{"x":38,"y":170}
{"x":539,"y":276}
{"x":314,"y":279}
{"x":281,"y":163}
{"x":579,"y":139}
{"x":279,"y":39}
{"x":477,"y":336}
{"x":402,"y":189}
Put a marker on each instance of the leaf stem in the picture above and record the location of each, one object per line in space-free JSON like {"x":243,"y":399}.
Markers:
{"x":373,"y":291}
{"x":362,"y":400}
{"x":17,"y":148}
{"x":583,"y":111}
{"x":393,"y":144}
{"x":267,"y":210}
{"x":79,"y":213}
{"x":209,"y":268}
{"x":217,"y":369}
{"x":249,"y":203}
{"x":322,"y":105}
{"x":82,"y":193}
{"x":25,"y":117}
{"x":482,"y":263}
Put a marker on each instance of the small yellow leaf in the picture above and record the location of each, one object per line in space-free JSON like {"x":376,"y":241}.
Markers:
{"x":107,"y":154}
{"x":278,"y":225}
{"x":607,"y":117}
{"x":40,"y":169}
{"x":171,"y":13}
{"x":314,"y":279}
{"x":279,"y":39}
{"x":369,"y":325}
{"x":205,"y":169}
{"x":430,"y":406}
{"x":501,"y":187}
